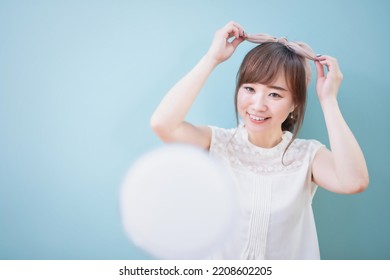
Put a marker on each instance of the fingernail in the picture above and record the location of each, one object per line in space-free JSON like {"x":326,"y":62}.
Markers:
{"x":318,"y":55}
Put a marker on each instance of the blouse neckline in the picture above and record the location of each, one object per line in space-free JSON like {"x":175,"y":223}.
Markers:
{"x":286,"y":137}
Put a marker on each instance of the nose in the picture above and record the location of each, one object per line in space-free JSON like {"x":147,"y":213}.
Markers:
{"x":259,"y":102}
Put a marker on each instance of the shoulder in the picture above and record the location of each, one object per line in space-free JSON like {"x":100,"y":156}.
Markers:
{"x":222,"y":135}
{"x":221,"y":138}
{"x":306,"y":147}
{"x":307,"y":143}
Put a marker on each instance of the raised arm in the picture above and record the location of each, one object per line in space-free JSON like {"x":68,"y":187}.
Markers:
{"x":168,"y":120}
{"x":342,"y":169}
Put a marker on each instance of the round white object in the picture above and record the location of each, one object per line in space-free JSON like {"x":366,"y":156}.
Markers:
{"x":178,"y":203}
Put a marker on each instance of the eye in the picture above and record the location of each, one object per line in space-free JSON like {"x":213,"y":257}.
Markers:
{"x":249,"y":89}
{"x":274,"y":94}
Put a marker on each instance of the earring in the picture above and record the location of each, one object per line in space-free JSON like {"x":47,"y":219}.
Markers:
{"x":291,"y":115}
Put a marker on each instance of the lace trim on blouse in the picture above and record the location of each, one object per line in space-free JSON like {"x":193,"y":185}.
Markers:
{"x":234,"y":144}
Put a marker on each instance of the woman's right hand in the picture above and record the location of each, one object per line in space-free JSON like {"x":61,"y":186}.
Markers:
{"x":221,"y":48}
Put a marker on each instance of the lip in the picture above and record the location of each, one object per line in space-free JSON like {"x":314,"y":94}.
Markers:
{"x":257,"y":119}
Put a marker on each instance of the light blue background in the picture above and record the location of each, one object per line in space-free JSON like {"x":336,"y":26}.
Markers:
{"x":79,"y":81}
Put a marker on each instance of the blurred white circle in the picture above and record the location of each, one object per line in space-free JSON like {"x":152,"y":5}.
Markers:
{"x":178,"y":203}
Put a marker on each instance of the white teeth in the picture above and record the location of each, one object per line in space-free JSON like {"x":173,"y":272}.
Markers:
{"x":256,"y":118}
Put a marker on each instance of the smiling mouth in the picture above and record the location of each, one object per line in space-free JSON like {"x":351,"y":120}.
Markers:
{"x":257,"y":119}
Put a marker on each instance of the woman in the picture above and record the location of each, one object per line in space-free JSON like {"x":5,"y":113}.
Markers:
{"x":277,"y":174}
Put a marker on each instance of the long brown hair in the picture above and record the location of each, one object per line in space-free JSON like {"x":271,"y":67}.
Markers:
{"x":263,"y":64}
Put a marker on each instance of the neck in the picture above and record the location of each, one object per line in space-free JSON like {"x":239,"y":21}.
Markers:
{"x":265,"y":140}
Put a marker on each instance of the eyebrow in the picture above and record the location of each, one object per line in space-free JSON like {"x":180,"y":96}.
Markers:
{"x":277,"y":87}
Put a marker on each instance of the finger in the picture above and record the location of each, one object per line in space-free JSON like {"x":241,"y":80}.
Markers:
{"x":237,"y":41}
{"x":235,"y":26}
{"x":320,"y":57}
{"x":326,"y":62}
{"x":333,"y":68}
{"x":236,"y":32}
{"x":320,"y":69}
{"x":231,"y":31}
{"x":330,"y":63}
{"x":240,"y":28}
{"x":238,"y":25}
{"x":328,"y":57}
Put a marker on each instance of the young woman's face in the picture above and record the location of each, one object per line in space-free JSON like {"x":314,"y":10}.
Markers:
{"x":263,"y":108}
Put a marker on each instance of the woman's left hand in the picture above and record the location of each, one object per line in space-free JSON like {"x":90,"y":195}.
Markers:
{"x":328,"y":85}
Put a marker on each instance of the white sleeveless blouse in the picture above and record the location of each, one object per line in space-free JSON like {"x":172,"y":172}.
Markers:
{"x":276,"y":216}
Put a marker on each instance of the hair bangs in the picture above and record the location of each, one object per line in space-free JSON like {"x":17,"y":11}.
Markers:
{"x":260,"y":68}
